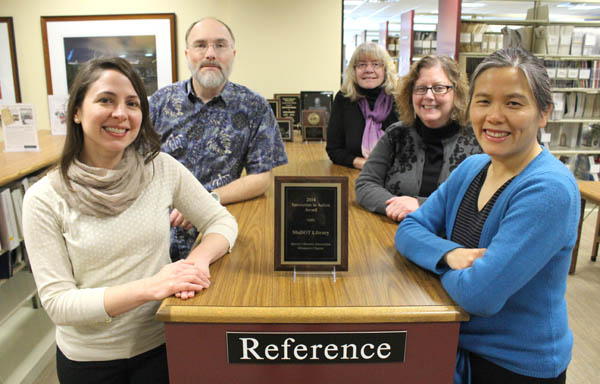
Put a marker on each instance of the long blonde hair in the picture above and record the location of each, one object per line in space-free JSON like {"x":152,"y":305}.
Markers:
{"x":370,"y":51}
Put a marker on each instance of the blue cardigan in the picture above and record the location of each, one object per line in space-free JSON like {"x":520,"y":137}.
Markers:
{"x":515,"y":293}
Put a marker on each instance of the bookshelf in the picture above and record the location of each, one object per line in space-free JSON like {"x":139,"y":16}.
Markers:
{"x":571,"y":54}
{"x":27,"y":341}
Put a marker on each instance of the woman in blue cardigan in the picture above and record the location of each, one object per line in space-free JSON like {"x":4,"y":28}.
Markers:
{"x":509,"y":222}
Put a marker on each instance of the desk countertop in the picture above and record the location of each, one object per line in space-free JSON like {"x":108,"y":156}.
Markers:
{"x":380,"y":286}
{"x":15,"y":165}
{"x":590,"y":190}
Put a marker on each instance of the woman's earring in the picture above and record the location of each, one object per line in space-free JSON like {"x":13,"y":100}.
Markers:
{"x":76,"y":120}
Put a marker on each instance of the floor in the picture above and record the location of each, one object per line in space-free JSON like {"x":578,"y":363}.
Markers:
{"x":583,"y":300}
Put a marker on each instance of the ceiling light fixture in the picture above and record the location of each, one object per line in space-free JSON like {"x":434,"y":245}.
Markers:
{"x":578,"y":6}
{"x":473,"y":5}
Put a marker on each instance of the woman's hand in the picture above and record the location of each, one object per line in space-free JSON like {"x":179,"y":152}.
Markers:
{"x":461,"y":258}
{"x":359,"y":162}
{"x":400,"y":206}
{"x":181,"y":276}
{"x":204,"y":269}
{"x":177,"y":220}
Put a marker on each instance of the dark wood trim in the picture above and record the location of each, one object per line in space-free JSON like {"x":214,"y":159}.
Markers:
{"x":13,"y":56}
{"x":141,"y":16}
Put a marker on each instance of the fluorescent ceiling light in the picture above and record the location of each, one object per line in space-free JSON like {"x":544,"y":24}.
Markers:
{"x":578,"y":6}
{"x":353,"y":2}
{"x":473,"y":5}
{"x":584,"y":7}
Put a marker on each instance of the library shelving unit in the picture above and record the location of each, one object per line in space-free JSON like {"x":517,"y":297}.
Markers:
{"x":27,"y":342}
{"x":572,"y":58}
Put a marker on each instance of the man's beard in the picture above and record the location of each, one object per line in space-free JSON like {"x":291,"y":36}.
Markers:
{"x":210,"y":79}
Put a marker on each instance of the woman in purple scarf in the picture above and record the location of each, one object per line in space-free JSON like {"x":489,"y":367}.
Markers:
{"x":364,"y":107}
{"x":417,"y":154}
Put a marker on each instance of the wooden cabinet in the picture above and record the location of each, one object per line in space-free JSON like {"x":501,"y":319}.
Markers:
{"x":27,"y":340}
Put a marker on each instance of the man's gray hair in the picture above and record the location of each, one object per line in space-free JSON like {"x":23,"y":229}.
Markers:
{"x":187,"y":33}
{"x":531,"y":66}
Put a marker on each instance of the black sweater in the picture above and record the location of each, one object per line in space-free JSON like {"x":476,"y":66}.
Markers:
{"x":345,"y":130}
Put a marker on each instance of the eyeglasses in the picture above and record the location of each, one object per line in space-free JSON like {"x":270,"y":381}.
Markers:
{"x":220,"y":46}
{"x":364,"y":65}
{"x":436,"y":89}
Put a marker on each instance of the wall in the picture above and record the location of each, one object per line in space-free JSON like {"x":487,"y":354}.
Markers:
{"x":283,"y":46}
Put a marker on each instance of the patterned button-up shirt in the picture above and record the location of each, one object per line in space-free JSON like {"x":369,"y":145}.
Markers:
{"x":216,"y":140}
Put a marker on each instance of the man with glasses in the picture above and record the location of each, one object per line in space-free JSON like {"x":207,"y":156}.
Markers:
{"x":214,"y":127}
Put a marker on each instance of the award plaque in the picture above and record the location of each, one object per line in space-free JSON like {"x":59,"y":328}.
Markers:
{"x":286,"y":127}
{"x":274,"y":104}
{"x":314,"y":126}
{"x":317,"y":100}
{"x":311,"y":223}
{"x":289,"y":106}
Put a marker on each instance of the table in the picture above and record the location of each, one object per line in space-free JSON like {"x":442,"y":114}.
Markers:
{"x":382,"y":291}
{"x":16,"y":165}
{"x":590,"y":191}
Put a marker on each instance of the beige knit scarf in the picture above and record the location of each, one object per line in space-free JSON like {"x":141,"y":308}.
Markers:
{"x":103,"y":192}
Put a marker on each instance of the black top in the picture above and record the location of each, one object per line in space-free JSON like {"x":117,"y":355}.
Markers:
{"x":346,"y":127}
{"x":469,"y":219}
{"x":434,"y":153}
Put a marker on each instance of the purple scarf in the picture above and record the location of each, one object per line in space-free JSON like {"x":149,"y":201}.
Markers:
{"x":373,"y":120}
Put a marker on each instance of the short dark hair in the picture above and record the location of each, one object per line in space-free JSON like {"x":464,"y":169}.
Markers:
{"x":187,"y":33}
{"x":147,"y":142}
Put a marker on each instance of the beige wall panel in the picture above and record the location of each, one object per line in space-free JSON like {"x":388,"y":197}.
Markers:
{"x":282,"y":45}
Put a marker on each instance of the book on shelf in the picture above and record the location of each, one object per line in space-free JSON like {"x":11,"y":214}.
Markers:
{"x":565,"y":39}
{"x":11,"y":259}
{"x":17,"y":200}
{"x":520,"y":37}
{"x":552,"y":39}
{"x":594,"y":168}
{"x":589,"y":43}
{"x":586,"y":167}
{"x":577,"y":42}
{"x":588,"y":108}
{"x":6,"y":264}
{"x":541,"y":12}
{"x":472,"y":36}
{"x":563,"y":135}
{"x":580,"y":107}
{"x":540,"y":40}
{"x":596,"y":111}
{"x":559,"y":100}
{"x":9,"y":235}
{"x":425,"y":42}
{"x":570,"y":105}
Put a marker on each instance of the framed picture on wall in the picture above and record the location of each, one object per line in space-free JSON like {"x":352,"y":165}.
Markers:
{"x":147,"y":41}
{"x":10,"y":92}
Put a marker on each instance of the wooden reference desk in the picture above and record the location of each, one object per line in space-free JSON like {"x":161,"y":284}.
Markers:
{"x":15,"y":165}
{"x":590,"y":191}
{"x":381,"y":291}
{"x":27,"y":341}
